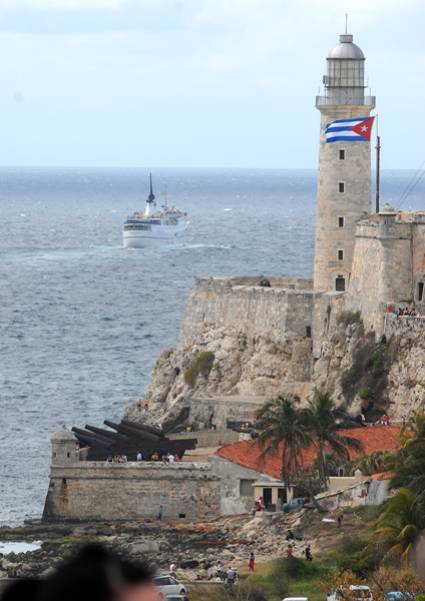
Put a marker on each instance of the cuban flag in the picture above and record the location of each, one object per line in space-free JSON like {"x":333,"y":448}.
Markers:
{"x":349,"y":130}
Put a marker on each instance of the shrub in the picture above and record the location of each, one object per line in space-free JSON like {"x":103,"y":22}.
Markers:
{"x":275,"y":582}
{"x":361,"y":562}
{"x":348,"y":317}
{"x":297,"y":568}
{"x":202,"y":364}
{"x":378,"y":360}
{"x":364,"y":393}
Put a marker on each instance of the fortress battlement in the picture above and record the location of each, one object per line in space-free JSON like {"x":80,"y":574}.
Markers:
{"x":276,"y":282}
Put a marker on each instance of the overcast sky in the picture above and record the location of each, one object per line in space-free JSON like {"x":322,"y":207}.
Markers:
{"x":198,"y":83}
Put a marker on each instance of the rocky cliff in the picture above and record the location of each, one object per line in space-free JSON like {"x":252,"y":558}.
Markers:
{"x":240,"y":340}
{"x":237,"y":338}
{"x":374,"y":373}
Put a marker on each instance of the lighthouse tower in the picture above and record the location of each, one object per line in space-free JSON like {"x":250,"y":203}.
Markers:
{"x":344,"y":177}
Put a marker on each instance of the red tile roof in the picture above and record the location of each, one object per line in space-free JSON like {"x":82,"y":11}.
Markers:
{"x":382,"y":476}
{"x":248,"y":453}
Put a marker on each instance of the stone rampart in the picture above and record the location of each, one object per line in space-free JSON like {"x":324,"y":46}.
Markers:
{"x":284,"y":309}
{"x":91,"y":490}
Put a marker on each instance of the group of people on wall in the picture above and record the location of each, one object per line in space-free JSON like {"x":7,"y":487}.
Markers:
{"x":156,"y":456}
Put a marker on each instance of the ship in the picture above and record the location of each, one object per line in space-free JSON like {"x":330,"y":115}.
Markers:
{"x":153,"y":226}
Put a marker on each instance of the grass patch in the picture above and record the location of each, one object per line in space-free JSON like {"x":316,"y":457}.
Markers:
{"x":290,"y":576}
{"x":201,"y":365}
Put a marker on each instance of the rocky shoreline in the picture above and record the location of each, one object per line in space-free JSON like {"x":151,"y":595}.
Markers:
{"x":190,"y":545}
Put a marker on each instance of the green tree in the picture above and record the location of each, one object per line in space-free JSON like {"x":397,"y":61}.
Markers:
{"x":324,"y":420}
{"x":409,"y":468}
{"x":281,"y":429}
{"x":399,"y":525}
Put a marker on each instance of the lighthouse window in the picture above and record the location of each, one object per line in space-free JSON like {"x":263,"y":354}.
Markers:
{"x":340,"y":255}
{"x":420,"y":290}
{"x":342,"y":155}
{"x":341,"y":187}
{"x":340,"y":221}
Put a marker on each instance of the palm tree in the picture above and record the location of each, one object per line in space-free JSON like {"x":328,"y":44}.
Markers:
{"x":377,"y":461}
{"x":323,"y":420}
{"x":399,"y":525}
{"x":281,"y":429}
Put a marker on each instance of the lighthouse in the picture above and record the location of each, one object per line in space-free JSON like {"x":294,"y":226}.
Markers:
{"x":344,"y":175}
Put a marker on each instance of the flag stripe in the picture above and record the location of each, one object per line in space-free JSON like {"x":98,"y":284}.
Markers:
{"x":331,"y":129}
{"x":346,"y":139}
{"x":354,"y":121}
{"x":349,"y":133}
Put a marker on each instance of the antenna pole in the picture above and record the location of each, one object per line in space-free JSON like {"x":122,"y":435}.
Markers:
{"x":346,"y":22}
{"x":378,"y":171}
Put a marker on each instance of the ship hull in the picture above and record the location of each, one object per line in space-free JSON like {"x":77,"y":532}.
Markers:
{"x":161,"y":234}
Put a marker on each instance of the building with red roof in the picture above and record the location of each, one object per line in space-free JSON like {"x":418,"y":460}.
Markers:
{"x":248,"y":453}
{"x":243,"y":467}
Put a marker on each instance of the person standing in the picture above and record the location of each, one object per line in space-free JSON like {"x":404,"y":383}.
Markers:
{"x":251,"y":562}
{"x":158,"y":512}
{"x":307,"y":553}
{"x":231,"y":576}
{"x":173,"y":568}
{"x":219,"y":571}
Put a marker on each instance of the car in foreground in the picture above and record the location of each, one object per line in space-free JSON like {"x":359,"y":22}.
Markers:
{"x":400,"y":596}
{"x":169,"y":586}
{"x":355,"y":592}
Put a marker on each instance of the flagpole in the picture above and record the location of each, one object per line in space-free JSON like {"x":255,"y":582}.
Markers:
{"x":378,"y":167}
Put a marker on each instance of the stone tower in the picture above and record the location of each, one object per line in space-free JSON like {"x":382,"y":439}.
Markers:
{"x":63,"y":447}
{"x":344,"y":176}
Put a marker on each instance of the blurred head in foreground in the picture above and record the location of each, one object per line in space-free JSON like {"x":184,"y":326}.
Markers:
{"x":94,"y":574}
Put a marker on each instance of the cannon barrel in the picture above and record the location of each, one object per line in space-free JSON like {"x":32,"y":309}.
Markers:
{"x":143,"y":428}
{"x":115,"y":436}
{"x":136,"y":435}
{"x":92,"y":439}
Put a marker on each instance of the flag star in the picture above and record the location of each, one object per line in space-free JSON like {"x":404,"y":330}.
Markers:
{"x":365,"y":128}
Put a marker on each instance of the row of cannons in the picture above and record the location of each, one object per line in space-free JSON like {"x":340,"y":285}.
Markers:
{"x":129,"y":439}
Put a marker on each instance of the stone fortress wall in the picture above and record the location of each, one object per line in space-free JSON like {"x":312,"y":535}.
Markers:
{"x":98,"y":490}
{"x":91,"y":490}
{"x":389,"y":262}
{"x":284,"y":308}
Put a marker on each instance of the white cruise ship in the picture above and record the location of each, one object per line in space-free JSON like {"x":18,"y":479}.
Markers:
{"x":153,"y":226}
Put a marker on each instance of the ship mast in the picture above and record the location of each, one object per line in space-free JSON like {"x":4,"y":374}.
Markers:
{"x":151,"y":197}
{"x":150,"y":201}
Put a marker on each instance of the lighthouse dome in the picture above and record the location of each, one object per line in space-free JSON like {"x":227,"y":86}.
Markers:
{"x":346,"y":49}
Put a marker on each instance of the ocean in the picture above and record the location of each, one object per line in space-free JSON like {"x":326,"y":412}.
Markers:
{"x":83,"y":320}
